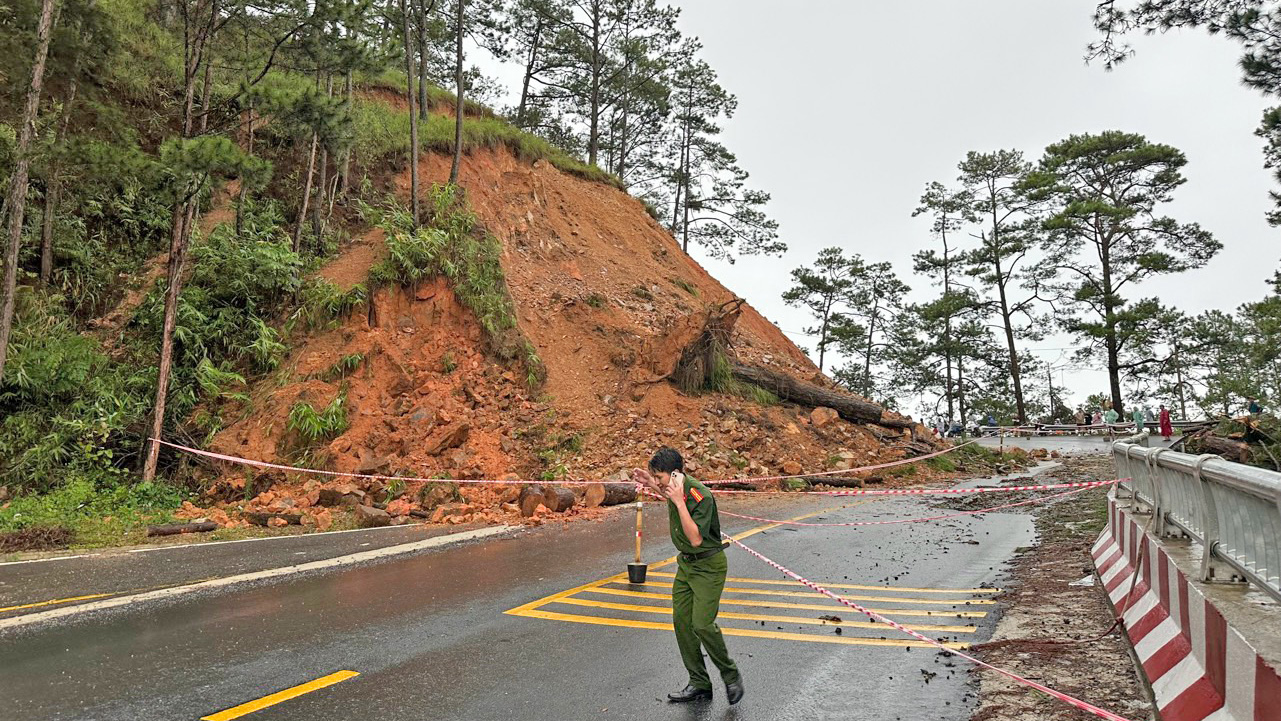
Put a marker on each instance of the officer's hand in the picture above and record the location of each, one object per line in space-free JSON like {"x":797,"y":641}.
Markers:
{"x":676,"y":487}
{"x":644,"y":477}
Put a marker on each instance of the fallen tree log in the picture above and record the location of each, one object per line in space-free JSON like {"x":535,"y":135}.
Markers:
{"x":558,"y":499}
{"x":609,"y":494}
{"x":260,"y":519}
{"x":1235,"y":451}
{"x":173,"y":529}
{"x":531,"y":496}
{"x":850,"y":407}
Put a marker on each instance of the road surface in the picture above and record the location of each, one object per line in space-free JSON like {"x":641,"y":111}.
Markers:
{"x":536,"y":623}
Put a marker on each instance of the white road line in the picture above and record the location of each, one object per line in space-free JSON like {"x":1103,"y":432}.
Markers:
{"x":268,"y":538}
{"x":53,"y":614}
{"x":53,"y":558}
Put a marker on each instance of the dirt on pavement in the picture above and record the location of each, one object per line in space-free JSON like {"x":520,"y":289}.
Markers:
{"x":1054,"y":597}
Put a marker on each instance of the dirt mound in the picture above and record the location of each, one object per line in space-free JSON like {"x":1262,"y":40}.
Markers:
{"x":606,"y":297}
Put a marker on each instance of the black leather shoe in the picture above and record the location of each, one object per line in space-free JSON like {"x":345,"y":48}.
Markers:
{"x":734,"y":692}
{"x":689,"y":693}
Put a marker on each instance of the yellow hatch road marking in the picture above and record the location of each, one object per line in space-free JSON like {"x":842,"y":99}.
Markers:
{"x":55,"y":601}
{"x":582,"y":596}
{"x":755,"y":617}
{"x":852,"y":640}
{"x":279,"y":696}
{"x":810,"y":594}
{"x":833,"y":606}
{"x":851,"y":586}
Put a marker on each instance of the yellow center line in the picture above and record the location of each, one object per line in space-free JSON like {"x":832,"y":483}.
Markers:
{"x":852,"y":586}
{"x":258,"y":704}
{"x":56,"y":601}
{"x":778,"y":604}
{"x":751,"y":632}
{"x":883,"y":599}
{"x":764,"y":617}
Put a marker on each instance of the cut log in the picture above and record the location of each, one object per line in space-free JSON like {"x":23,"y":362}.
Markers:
{"x":841,"y":481}
{"x":260,"y":519}
{"x":850,"y":407}
{"x":609,"y":494}
{"x":558,"y":499}
{"x":1236,"y":451}
{"x":531,"y":496}
{"x":173,"y":529}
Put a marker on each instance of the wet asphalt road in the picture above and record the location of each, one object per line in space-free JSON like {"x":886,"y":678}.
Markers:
{"x":429,"y":637}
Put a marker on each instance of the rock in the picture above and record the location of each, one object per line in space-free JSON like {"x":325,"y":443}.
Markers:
{"x":453,"y":436}
{"x":399,"y":507}
{"x":324,"y":519}
{"x":276,"y":522}
{"x":4,"y":493}
{"x":370,"y":517}
{"x":792,"y":468}
{"x":373,"y":463}
{"x":847,"y":460}
{"x":434,"y":494}
{"x":346,"y":494}
{"x":447,"y":511}
{"x":823,"y":415}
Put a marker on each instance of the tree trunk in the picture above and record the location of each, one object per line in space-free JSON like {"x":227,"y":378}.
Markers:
{"x":413,"y":118}
{"x":173,"y":529}
{"x":244,"y":187}
{"x":535,"y":39}
{"x":177,"y":256}
{"x":593,"y":136}
{"x":306,"y":193}
{"x":609,"y":494}
{"x":17,"y":200}
{"x":422,"y":60}
{"x":344,"y":176}
{"x":460,"y":102}
{"x":1015,"y":375}
{"x":558,"y":499}
{"x":850,"y":407}
{"x":530,"y":498}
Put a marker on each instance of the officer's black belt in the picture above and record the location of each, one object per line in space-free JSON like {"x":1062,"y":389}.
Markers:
{"x":703,"y":554}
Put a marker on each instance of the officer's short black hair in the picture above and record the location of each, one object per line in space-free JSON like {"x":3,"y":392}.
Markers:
{"x":666,"y":461}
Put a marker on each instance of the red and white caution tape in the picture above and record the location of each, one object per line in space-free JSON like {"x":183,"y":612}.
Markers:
{"x":1070,"y":700}
{"x":1039,"y":499}
{"x":948,"y":491}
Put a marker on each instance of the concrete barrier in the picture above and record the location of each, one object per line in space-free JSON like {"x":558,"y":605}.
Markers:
{"x":1209,"y":651}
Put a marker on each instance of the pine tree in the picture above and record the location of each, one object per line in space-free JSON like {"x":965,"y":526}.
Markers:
{"x":824,"y":291}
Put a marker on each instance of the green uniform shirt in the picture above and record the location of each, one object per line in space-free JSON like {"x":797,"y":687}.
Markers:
{"x":702,"y":508}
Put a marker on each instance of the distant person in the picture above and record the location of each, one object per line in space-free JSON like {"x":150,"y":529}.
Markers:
{"x":1254,"y":407}
{"x":1111,"y":416}
{"x":991,"y":419}
{"x":1137,"y":415}
{"x":700,"y":575}
{"x":1097,"y":419}
{"x":1167,"y":428}
{"x":1148,"y":417}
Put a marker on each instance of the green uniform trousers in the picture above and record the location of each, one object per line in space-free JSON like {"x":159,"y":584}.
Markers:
{"x":696,"y":599}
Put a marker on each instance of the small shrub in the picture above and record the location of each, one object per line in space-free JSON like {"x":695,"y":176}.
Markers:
{"x":343,"y":367}
{"x":686,"y":286}
{"x":595,"y":300}
{"x":314,"y":426}
{"x":643,"y":293}
{"x":447,"y":363}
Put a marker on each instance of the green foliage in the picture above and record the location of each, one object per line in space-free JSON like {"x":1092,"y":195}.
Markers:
{"x":452,"y":243}
{"x":80,"y":504}
{"x":686,"y":286}
{"x":447,"y":363}
{"x":382,"y":133}
{"x":722,"y":380}
{"x":595,"y":300}
{"x":323,"y":305}
{"x":343,"y":367}
{"x":312,"y":426}
{"x":643,"y":293}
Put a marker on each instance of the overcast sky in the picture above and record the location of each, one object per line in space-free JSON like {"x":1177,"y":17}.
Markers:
{"x":847,"y":109}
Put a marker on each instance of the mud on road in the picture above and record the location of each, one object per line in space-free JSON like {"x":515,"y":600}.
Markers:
{"x":1053,"y":596}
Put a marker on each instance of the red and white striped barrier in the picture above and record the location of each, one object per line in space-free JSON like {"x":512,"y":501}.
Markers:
{"x":1199,"y":667}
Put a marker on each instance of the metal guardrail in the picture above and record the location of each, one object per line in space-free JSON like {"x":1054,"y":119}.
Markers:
{"x":1232,"y":510}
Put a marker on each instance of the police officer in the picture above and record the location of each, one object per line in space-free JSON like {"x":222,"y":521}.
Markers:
{"x":700,"y":575}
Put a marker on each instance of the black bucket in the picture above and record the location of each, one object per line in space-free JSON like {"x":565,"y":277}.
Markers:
{"x":636,"y":572}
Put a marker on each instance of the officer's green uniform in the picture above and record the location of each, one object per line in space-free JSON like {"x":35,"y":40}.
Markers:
{"x":696,"y":593}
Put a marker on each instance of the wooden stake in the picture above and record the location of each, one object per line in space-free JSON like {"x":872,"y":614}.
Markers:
{"x":639,"y":516}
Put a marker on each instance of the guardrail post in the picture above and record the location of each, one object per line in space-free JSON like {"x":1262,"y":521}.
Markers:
{"x":1211,"y":570}
{"x":1161,"y":503}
